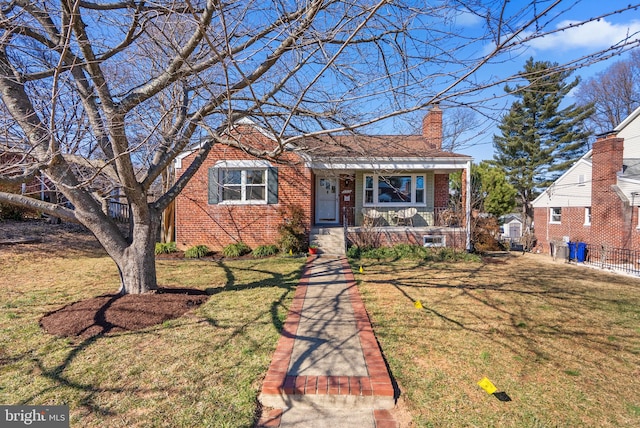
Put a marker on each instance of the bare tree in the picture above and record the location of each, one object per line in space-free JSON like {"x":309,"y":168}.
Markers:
{"x":615,"y":93}
{"x":102,"y":96}
{"x":459,"y":128}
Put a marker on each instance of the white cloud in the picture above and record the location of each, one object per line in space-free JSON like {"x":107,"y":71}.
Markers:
{"x":467,"y":19}
{"x":593,"y":35}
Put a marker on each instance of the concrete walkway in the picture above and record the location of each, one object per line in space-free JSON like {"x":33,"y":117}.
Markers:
{"x":327,"y":369}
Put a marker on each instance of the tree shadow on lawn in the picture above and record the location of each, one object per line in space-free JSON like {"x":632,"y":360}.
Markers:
{"x":515,"y":304}
{"x":96,"y":318}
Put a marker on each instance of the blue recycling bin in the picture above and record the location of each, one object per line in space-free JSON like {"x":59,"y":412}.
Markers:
{"x":581,"y":252}
{"x":572,"y":250}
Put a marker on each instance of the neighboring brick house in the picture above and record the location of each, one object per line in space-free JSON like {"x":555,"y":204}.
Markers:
{"x":597,"y":201}
{"x":335,"y":180}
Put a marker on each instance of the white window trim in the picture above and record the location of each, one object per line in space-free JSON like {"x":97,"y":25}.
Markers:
{"x":551,"y":220}
{"x":414,"y":180}
{"x":638,"y":226}
{"x":243,"y":165}
{"x":587,"y":216}
{"x":243,"y":188}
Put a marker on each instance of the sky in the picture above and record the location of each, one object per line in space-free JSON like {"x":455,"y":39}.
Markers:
{"x":559,"y":47}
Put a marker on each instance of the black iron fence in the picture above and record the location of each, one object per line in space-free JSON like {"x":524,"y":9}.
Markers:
{"x":617,"y":259}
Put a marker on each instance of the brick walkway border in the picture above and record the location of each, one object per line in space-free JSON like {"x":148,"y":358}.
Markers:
{"x":278,"y":382}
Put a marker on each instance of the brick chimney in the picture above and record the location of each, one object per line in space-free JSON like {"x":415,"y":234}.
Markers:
{"x":607,"y":208}
{"x":607,"y":161}
{"x":432,"y":128}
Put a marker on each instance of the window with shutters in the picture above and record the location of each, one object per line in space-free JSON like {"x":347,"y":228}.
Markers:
{"x":243,"y":185}
{"x":235,"y":183}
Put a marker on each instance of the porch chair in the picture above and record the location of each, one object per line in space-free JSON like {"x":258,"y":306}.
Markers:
{"x":405,"y":216}
{"x":370,"y":216}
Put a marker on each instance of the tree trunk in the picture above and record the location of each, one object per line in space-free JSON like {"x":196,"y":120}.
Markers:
{"x":134,"y":257}
{"x":137,"y":265}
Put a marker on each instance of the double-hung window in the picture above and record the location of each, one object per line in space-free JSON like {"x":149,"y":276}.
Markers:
{"x":394,"y":190}
{"x":556,"y":215}
{"x":243,"y":185}
{"x":243,"y":182}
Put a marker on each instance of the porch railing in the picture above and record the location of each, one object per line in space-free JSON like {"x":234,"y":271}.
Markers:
{"x":119,"y":211}
{"x":438,"y":216}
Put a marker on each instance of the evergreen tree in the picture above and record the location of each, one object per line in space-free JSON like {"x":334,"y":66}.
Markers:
{"x":490,"y":191}
{"x":539,"y":139}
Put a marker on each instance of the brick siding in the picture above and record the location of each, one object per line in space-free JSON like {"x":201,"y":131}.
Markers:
{"x":441,"y":191}
{"x":217,"y":225}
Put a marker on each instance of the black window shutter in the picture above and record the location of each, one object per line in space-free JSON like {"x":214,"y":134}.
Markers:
{"x":272,"y":185}
{"x":214,"y":188}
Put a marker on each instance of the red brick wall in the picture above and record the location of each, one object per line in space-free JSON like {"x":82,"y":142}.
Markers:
{"x":572,"y":225}
{"x":198,"y":222}
{"x":441,"y":190}
{"x":347,"y":188}
{"x":455,"y":238}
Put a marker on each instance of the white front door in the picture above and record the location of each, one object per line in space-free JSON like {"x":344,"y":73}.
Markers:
{"x":326,"y":200}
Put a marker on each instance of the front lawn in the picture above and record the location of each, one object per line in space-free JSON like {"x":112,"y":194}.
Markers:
{"x":563,"y":342}
{"x":203,"y":369}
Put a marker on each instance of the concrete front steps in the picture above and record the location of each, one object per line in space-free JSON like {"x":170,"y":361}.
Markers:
{"x":328,"y":239}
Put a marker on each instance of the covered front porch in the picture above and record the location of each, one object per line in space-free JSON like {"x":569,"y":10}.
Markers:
{"x":378,"y":207}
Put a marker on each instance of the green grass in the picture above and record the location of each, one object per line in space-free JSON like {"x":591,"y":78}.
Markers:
{"x":203,"y":369}
{"x":560,"y":340}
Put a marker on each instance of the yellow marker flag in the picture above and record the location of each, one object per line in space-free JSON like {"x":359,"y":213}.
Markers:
{"x":361,"y":270}
{"x":291,"y":251}
{"x":487,"y":385}
{"x":418,"y":304}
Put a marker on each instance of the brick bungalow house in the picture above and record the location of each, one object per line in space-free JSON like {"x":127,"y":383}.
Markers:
{"x":597,"y":201}
{"x":394,"y":186}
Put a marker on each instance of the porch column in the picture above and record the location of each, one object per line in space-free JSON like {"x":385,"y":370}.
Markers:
{"x":467,"y":202}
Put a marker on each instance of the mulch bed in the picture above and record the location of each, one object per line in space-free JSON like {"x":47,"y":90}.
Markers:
{"x":105,"y":314}
{"x":114,"y":313}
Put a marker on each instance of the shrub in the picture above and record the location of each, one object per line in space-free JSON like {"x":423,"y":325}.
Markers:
{"x":236,"y":250}
{"x":354,"y":252}
{"x":11,"y":212}
{"x":8,"y":211}
{"x":166,"y":247}
{"x":197,"y":252}
{"x":292,"y":231}
{"x":379,"y":253}
{"x":409,"y":251}
{"x":265,"y":251}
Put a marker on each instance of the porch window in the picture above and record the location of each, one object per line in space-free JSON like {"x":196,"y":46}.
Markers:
{"x":556,"y":215}
{"x":394,"y":189}
{"x":243,"y":185}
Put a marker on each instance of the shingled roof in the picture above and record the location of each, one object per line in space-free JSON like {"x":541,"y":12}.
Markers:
{"x":371,"y":146}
